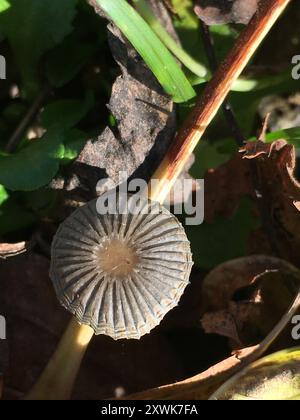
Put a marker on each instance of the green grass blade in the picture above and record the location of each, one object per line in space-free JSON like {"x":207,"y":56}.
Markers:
{"x":146,"y":12}
{"x":149,"y":46}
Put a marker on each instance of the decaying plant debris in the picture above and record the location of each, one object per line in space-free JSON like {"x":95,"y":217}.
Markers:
{"x":263,"y":283}
{"x":145,"y":124}
{"x":216,"y":12}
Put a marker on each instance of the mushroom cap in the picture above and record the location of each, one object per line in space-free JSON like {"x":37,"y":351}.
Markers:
{"x":120,"y":273}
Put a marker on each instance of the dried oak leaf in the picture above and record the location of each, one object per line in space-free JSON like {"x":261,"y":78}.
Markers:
{"x":275,"y":163}
{"x":246,"y":297}
{"x":145,"y":122}
{"x":218,"y":12}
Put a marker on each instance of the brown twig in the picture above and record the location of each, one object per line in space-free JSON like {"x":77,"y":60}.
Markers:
{"x":264,"y":128}
{"x":27,"y":119}
{"x":214,"y":95}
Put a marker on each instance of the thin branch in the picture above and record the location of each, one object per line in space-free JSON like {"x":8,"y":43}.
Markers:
{"x":214,"y":95}
{"x":27,"y":120}
{"x":264,"y":129}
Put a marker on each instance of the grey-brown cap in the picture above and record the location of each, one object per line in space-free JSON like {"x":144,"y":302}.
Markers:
{"x":121,"y":273}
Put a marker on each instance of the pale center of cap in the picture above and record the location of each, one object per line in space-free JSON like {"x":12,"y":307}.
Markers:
{"x":117,"y":258}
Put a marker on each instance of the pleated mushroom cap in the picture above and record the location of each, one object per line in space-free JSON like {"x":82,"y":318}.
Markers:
{"x":120,"y":274}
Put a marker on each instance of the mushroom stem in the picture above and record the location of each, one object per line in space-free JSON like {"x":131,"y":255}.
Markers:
{"x":57,"y":380}
{"x":214,"y":95}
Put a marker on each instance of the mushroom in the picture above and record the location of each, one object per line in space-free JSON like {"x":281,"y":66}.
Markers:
{"x":119,"y":274}
{"x":57,"y":379}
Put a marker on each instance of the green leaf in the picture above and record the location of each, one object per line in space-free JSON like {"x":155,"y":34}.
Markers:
{"x":35,"y":165}
{"x":211,"y":155}
{"x":66,"y":61}
{"x":3,"y":195}
{"x":291,"y":135}
{"x":188,"y":28}
{"x":74,"y":142}
{"x":193,"y":65}
{"x":224,"y":240}
{"x":4,"y":5}
{"x":13,"y":217}
{"x":152,"y":50}
{"x":66,"y":113}
{"x":14,"y":112}
{"x":32,"y":28}
{"x":41,"y":201}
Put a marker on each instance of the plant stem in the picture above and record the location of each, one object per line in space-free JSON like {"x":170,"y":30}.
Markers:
{"x":27,"y":119}
{"x":57,"y":380}
{"x":214,"y":95}
{"x":146,"y":12}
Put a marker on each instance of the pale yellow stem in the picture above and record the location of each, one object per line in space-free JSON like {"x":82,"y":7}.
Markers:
{"x":57,"y":380}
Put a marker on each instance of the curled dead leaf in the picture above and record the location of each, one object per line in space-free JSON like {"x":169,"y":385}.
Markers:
{"x":221,"y":284}
{"x":246,"y":297}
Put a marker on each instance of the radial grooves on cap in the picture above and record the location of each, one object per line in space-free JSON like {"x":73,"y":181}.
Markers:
{"x":120,"y":306}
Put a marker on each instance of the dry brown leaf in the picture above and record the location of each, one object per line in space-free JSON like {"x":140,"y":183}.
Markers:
{"x":276,"y":164}
{"x":225,"y":186}
{"x":246,"y":297}
{"x":216,"y":12}
{"x":222,"y":323}
{"x":221,"y":284}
